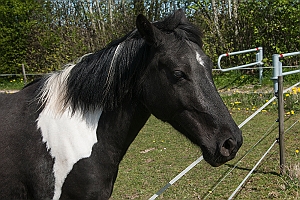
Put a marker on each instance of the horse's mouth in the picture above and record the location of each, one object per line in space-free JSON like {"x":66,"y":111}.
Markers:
{"x":218,"y":160}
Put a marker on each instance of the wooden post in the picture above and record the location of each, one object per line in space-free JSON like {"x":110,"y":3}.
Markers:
{"x":281,"y":124}
{"x":24,"y":74}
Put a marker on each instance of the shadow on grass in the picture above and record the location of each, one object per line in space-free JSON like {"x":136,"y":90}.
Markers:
{"x":254,"y":172}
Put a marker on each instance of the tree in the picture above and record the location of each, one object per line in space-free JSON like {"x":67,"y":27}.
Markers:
{"x":274,"y":25}
{"x":15,"y":27}
{"x":44,"y":35}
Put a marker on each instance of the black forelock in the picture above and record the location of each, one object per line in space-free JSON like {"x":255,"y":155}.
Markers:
{"x":181,"y":27}
{"x":189,"y":32}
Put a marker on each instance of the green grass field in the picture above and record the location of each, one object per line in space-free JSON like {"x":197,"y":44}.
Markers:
{"x":159,"y":153}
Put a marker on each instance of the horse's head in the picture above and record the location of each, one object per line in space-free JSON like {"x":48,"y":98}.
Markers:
{"x":178,"y":88}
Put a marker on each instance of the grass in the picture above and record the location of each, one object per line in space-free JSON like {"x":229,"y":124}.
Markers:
{"x":159,"y":153}
{"x":250,"y":101}
{"x":12,"y":83}
{"x":239,"y":78}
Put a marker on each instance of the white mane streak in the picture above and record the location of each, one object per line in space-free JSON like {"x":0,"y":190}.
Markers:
{"x":54,"y":90}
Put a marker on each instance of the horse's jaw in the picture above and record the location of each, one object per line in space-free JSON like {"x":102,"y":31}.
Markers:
{"x":218,"y":143}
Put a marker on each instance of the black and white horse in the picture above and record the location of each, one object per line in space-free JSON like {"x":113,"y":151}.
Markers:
{"x":64,"y":136}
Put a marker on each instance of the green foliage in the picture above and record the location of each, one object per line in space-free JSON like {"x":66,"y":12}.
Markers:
{"x":273,"y":25}
{"x":15,"y":27}
{"x":236,"y":79}
{"x":44,"y":35}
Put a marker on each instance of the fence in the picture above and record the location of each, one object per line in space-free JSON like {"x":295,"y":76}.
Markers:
{"x":277,"y":78}
{"x":24,"y":75}
{"x":259,"y":58}
{"x":278,"y":90}
{"x":276,"y":141}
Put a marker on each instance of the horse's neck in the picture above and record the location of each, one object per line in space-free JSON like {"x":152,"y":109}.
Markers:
{"x":117,"y":129}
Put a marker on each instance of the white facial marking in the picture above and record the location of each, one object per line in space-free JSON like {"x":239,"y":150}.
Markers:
{"x":199,"y":59}
{"x":68,"y":137}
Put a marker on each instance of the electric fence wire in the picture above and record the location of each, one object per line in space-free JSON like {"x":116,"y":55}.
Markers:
{"x":256,"y":165}
{"x":201,"y":157}
{"x":159,"y":192}
{"x":292,"y":125}
{"x":240,"y":126}
{"x":249,"y":174}
{"x":267,"y":133}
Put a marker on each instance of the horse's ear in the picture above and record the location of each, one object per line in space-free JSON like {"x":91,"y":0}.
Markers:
{"x":180,"y":14}
{"x":149,"y":32}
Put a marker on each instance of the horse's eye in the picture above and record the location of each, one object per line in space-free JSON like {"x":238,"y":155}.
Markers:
{"x":179,"y":74}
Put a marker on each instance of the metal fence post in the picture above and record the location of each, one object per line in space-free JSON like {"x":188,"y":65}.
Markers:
{"x":24,"y":74}
{"x":259,"y":58}
{"x":278,"y":90}
{"x":281,"y":124}
{"x":275,"y":60}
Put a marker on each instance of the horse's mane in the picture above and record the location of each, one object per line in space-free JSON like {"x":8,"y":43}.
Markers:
{"x":104,"y":78}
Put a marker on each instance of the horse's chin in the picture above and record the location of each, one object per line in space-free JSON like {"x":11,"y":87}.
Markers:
{"x":220,"y":160}
{"x":214,"y":164}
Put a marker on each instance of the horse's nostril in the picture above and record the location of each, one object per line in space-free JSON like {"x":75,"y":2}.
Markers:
{"x":227,"y":147}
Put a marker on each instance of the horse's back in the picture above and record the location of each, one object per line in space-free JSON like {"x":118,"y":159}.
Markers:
{"x":15,"y":111}
{"x":24,"y":163}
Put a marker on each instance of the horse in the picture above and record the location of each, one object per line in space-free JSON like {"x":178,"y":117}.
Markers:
{"x":64,"y":135}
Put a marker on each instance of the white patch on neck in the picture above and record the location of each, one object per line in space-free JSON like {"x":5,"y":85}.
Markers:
{"x":69,"y":137}
{"x":199,"y":59}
